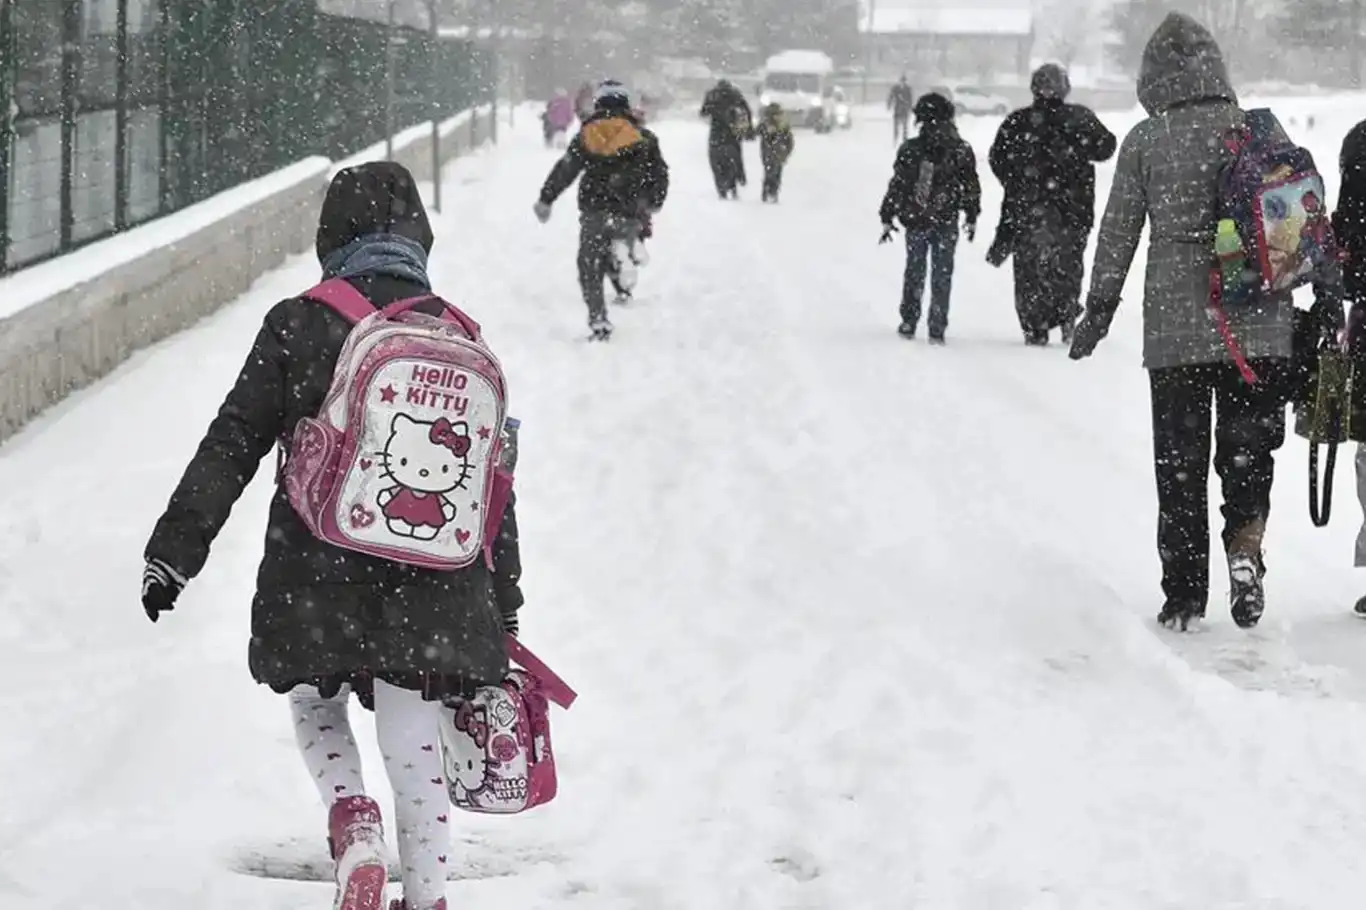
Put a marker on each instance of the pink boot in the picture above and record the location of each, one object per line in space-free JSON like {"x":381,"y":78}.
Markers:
{"x":356,"y":835}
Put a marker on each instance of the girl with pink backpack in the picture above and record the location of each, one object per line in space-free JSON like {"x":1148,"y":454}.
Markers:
{"x":329,"y":621}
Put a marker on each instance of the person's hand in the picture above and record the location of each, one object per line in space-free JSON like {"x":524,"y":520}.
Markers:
{"x":161,"y":585}
{"x":1086,"y":336}
{"x":888,"y":229}
{"x":542,"y":211}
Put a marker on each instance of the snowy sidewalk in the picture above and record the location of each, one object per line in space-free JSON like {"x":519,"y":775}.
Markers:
{"x":857,"y":623}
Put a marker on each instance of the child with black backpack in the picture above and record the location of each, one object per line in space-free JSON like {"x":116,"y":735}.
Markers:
{"x":933,"y":181}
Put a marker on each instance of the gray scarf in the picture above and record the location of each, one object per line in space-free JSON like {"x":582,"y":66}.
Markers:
{"x":389,"y":255}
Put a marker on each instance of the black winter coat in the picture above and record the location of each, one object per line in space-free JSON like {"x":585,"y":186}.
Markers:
{"x":1349,"y":221}
{"x":732,"y":119}
{"x":1045,"y":155}
{"x":952,"y":185}
{"x":623,"y":171}
{"x":323,"y":615}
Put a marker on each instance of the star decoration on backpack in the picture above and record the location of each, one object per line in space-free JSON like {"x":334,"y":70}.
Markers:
{"x":388,"y":394}
{"x":484,"y":432}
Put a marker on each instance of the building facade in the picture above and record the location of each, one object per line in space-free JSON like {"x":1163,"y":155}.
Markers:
{"x":947,"y":44}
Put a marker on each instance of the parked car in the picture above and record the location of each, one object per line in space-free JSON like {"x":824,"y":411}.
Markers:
{"x":969,"y":99}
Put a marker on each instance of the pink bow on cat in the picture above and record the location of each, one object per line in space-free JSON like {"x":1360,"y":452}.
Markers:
{"x":444,"y":434}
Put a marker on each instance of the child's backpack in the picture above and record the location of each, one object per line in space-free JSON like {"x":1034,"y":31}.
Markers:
{"x":404,"y":460}
{"x":496,"y":745}
{"x":1274,"y":232}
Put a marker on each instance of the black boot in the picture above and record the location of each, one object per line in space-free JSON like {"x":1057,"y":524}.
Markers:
{"x":1247,"y":598}
{"x":1181,"y":615}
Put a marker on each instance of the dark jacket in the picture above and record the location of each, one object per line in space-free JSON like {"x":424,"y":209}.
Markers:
{"x":1045,"y":155}
{"x":323,"y":614}
{"x":900,"y":100}
{"x":951,"y":185}
{"x":1349,"y":227}
{"x":1349,"y":220}
{"x":622,"y":169}
{"x":732,"y":119}
{"x":775,"y":141}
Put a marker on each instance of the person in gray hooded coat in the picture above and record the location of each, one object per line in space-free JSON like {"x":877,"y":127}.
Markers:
{"x":1167,"y":174}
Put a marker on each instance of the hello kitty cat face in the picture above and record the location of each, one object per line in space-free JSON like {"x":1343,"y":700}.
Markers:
{"x":428,"y":457}
{"x":466,"y":771}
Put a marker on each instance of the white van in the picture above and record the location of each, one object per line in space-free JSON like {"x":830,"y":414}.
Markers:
{"x":800,"y":83}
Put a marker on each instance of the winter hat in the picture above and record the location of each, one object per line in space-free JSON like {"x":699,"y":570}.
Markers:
{"x":378,"y":197}
{"x":1050,"y":81}
{"x":933,"y":107}
{"x":611,"y":95}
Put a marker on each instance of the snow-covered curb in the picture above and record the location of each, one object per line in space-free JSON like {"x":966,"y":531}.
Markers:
{"x":67,"y":322}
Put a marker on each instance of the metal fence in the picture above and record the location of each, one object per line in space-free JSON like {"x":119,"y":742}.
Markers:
{"x":113,"y":112}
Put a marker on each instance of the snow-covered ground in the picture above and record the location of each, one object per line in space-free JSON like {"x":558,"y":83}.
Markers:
{"x":857,"y":623}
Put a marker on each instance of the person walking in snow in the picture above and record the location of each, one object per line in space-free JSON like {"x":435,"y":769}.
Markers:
{"x":732,"y":122}
{"x":776,"y":143}
{"x":625,"y":181}
{"x":1045,"y":157}
{"x":1349,"y":228}
{"x":328,"y":622}
{"x":1167,"y":173}
{"x":900,"y":100}
{"x":934,"y":179}
{"x":558,"y":118}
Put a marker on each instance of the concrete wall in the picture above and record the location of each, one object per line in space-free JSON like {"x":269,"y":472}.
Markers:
{"x":66,"y":323}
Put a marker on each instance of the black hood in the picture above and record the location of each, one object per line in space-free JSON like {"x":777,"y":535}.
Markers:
{"x":379,"y":197}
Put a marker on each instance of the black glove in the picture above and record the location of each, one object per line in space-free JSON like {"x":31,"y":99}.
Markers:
{"x":511,"y":625}
{"x":971,"y":230}
{"x":888,"y":229}
{"x":161,"y":585}
{"x":1088,"y":333}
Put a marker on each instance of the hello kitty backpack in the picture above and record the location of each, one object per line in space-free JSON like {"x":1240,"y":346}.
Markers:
{"x":496,"y":745}
{"x":403,"y":460}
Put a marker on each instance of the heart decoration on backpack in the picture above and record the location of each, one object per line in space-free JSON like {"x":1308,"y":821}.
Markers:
{"x":496,"y":745}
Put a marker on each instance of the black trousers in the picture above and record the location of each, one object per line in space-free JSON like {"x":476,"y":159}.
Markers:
{"x":1248,"y":427}
{"x":1049,"y":265}
{"x":773,"y":179}
{"x":597,"y":232}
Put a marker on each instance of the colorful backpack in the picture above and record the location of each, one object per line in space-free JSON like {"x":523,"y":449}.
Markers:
{"x":404,"y":459}
{"x":496,"y":745}
{"x":1274,"y":232}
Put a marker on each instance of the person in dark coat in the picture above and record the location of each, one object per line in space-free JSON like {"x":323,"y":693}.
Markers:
{"x":1349,"y":227}
{"x":933,"y":181}
{"x":776,"y":143}
{"x":732,"y":122}
{"x":900,"y":100}
{"x":1167,"y":175}
{"x":1045,"y":156}
{"x":624,"y":182}
{"x":327,"y":621}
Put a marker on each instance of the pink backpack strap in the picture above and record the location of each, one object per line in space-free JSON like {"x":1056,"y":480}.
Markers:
{"x":1216,"y":306}
{"x":338,"y":294}
{"x":556,"y":689}
{"x":452,"y":313}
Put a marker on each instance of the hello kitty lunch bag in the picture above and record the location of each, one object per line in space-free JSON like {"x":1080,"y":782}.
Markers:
{"x":403,"y":460}
{"x":495,"y":745}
